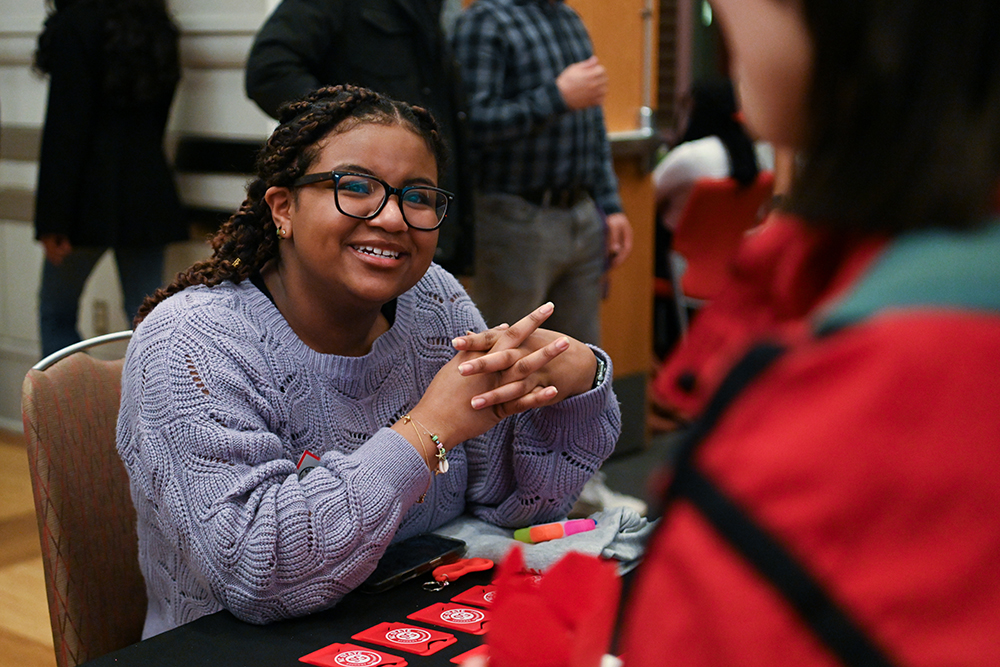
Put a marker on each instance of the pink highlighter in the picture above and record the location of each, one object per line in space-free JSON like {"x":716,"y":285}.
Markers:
{"x":552,"y":531}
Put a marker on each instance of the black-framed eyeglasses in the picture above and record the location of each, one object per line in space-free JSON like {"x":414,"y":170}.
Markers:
{"x":364,"y":196}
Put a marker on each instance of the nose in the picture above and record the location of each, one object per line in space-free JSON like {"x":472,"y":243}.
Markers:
{"x":390,"y":218}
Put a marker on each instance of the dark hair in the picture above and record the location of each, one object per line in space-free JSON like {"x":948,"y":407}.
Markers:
{"x":142,"y":62}
{"x":904,"y":114}
{"x":248,"y":240}
{"x":713,"y":113}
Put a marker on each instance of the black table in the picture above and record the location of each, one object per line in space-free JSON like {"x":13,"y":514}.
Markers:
{"x":221,"y":640}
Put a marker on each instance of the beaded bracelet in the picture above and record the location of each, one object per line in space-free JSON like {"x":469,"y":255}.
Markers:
{"x":442,"y":453}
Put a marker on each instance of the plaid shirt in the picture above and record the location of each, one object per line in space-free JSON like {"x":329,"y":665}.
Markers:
{"x":524,"y":137}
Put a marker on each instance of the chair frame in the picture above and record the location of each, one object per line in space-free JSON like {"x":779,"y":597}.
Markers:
{"x":82,"y":346}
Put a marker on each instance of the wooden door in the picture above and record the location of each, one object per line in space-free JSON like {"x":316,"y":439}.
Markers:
{"x":620,"y":30}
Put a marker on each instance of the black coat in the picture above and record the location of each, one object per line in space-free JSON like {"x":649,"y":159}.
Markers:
{"x":103,"y":178}
{"x":395,"y":47}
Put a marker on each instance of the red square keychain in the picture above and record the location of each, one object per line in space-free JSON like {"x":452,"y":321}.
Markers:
{"x":454,"y":616}
{"x":482,"y":649}
{"x":406,"y":637}
{"x":349,"y":655}
{"x":481,"y":596}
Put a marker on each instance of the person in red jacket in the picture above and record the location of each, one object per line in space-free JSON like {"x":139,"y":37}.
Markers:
{"x":835,"y":500}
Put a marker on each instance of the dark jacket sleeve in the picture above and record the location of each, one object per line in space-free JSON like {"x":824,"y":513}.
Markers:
{"x":289,"y":52}
{"x":73,"y":107}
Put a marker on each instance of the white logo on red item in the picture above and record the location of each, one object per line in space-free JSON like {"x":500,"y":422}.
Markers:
{"x":408,"y":635}
{"x":357,"y":658}
{"x":463,"y":616}
{"x":489,"y":597}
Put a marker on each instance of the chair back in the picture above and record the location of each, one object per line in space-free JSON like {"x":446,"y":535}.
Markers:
{"x":719,"y":211}
{"x":86,"y":520}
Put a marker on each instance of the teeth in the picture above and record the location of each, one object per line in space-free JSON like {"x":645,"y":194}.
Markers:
{"x":377,"y":252}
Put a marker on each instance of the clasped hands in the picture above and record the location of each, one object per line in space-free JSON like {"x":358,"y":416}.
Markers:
{"x":504,"y":371}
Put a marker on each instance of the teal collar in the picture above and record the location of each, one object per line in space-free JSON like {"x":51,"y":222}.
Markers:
{"x":934,"y":268}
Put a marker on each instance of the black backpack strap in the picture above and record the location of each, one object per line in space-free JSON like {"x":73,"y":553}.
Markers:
{"x":828,"y":622}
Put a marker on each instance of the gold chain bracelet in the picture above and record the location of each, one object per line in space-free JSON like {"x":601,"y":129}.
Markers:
{"x":423,"y":454}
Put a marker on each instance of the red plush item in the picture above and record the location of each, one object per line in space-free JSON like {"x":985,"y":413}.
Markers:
{"x":562,"y":619}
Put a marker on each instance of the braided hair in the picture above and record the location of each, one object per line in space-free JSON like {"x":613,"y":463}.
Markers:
{"x":249,"y":239}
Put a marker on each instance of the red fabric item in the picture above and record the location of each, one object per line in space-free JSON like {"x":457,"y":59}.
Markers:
{"x":562,"y":619}
{"x":782,"y":272}
{"x":866,"y":454}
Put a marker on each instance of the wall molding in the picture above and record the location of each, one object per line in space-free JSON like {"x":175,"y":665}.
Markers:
{"x":190,"y":23}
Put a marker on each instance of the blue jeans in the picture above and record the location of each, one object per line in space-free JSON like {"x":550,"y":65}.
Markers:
{"x":527,"y":255}
{"x":140,"y":271}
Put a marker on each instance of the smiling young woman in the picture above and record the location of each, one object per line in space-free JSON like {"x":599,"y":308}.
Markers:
{"x":321,"y":324}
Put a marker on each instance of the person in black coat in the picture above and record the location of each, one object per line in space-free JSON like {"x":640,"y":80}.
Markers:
{"x":396,"y":47}
{"x":103,"y":178}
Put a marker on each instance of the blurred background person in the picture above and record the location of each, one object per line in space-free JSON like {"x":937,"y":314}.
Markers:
{"x":835,"y":501}
{"x":396,"y":47}
{"x":103,"y":178}
{"x":714,"y":144}
{"x":549,"y":219}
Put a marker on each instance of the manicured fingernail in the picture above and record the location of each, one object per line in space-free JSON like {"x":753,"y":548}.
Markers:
{"x":550,"y":392}
{"x":478,"y":402}
{"x":562,"y":343}
{"x":546,"y":308}
{"x":455,"y":342}
{"x":465,"y":369}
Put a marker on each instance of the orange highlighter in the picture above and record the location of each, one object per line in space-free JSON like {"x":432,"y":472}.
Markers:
{"x":552,"y":531}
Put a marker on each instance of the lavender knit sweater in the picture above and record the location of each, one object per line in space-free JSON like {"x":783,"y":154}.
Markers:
{"x":219,"y":400}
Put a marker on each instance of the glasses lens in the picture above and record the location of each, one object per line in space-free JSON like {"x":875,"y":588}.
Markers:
{"x":423,"y":207}
{"x":358,"y":195}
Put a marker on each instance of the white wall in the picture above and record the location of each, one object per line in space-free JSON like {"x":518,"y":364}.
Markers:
{"x":216,"y":35}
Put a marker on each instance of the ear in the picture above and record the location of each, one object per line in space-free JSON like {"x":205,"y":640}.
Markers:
{"x":281,"y":203}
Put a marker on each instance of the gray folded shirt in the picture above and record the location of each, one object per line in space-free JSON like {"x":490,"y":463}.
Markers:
{"x":620,"y":534}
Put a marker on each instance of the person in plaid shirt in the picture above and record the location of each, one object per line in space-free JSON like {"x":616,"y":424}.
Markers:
{"x":549,"y":220}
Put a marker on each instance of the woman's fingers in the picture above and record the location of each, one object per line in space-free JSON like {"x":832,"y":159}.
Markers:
{"x":517,"y":380}
{"x":479,"y":342}
{"x":523,"y":328}
{"x":516,"y":361}
{"x":538,"y":397}
{"x":504,"y":337}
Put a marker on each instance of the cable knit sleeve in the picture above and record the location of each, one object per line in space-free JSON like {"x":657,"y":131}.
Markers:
{"x":206,"y":433}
